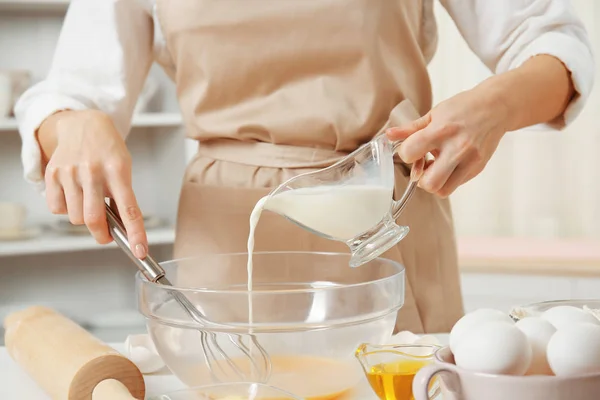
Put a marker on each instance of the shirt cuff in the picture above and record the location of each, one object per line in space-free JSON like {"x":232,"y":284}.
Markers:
{"x":576,"y":56}
{"x":30,"y":119}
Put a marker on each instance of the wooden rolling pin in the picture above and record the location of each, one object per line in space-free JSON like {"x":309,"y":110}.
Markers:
{"x":66,"y":361}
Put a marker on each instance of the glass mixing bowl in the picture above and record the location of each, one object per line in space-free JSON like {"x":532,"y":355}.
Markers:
{"x":311,"y":311}
{"x":536,"y":309}
{"x":229,"y":391}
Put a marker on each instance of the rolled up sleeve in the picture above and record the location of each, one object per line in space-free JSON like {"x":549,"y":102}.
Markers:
{"x":101,"y":61}
{"x":507,"y":33}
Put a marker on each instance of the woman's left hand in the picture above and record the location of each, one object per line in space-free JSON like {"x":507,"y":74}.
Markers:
{"x":461,"y":133}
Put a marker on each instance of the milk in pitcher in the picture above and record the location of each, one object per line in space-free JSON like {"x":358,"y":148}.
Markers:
{"x":339,"y":212}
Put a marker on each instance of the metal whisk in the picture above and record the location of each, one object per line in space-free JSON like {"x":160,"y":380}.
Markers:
{"x":214,"y":355}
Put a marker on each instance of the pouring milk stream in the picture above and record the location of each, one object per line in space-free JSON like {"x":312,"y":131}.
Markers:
{"x":341,"y":212}
{"x":350,"y":201}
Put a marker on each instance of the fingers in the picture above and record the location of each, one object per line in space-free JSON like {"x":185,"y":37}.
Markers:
{"x":445,"y":174}
{"x":421,"y":137}
{"x":425,"y":141}
{"x":453,"y":181}
{"x":119,"y":183}
{"x":73,"y":195}
{"x":418,"y":145}
{"x":437,"y":174}
{"x":79,"y":191}
{"x":401,"y":133}
{"x":94,"y":214}
{"x":461,"y":175}
{"x":55,"y":197}
{"x":419,"y":167}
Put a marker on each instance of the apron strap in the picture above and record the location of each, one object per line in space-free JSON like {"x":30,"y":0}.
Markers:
{"x":263,"y":154}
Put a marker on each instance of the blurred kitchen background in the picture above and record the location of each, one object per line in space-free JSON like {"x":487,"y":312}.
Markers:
{"x":528,"y":227}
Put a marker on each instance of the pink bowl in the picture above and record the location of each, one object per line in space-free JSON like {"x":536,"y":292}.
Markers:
{"x":459,"y":384}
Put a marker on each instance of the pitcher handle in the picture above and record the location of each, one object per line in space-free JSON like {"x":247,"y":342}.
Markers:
{"x":422,"y":380}
{"x":400,"y":205}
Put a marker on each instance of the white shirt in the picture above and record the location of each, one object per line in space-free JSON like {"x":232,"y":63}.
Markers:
{"x":107,"y":47}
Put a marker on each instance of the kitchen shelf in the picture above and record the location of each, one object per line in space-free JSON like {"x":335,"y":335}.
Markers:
{"x":34,"y":5}
{"x":54,"y":243}
{"x":147,"y":120}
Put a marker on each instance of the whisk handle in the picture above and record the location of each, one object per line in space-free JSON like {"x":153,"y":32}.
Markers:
{"x":148,"y":266}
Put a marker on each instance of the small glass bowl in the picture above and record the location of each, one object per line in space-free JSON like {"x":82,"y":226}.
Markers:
{"x":229,"y":391}
{"x":536,"y":309}
{"x":397,"y":363}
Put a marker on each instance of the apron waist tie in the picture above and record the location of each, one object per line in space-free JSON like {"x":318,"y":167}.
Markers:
{"x":263,"y":154}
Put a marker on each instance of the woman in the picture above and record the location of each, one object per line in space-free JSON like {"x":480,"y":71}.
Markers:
{"x":271,"y":89}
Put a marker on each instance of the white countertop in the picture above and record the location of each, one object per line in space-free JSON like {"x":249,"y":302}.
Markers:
{"x":16,"y":385}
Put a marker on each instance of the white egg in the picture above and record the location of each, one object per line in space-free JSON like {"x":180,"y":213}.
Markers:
{"x":562,"y":316}
{"x":495,"y":347}
{"x":474,"y":319}
{"x":575,"y":350}
{"x":538,"y":332}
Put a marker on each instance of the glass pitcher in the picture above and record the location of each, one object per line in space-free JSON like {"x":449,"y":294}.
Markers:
{"x":391,"y":369}
{"x":350,"y":201}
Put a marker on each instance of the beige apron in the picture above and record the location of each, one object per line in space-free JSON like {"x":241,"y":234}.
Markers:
{"x":272,"y":89}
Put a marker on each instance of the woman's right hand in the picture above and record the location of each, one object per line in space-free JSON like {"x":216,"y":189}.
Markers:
{"x":87,"y":161}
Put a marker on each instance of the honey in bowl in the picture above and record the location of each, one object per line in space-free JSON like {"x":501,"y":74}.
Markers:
{"x":391,"y":369}
{"x":393,"y":381}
